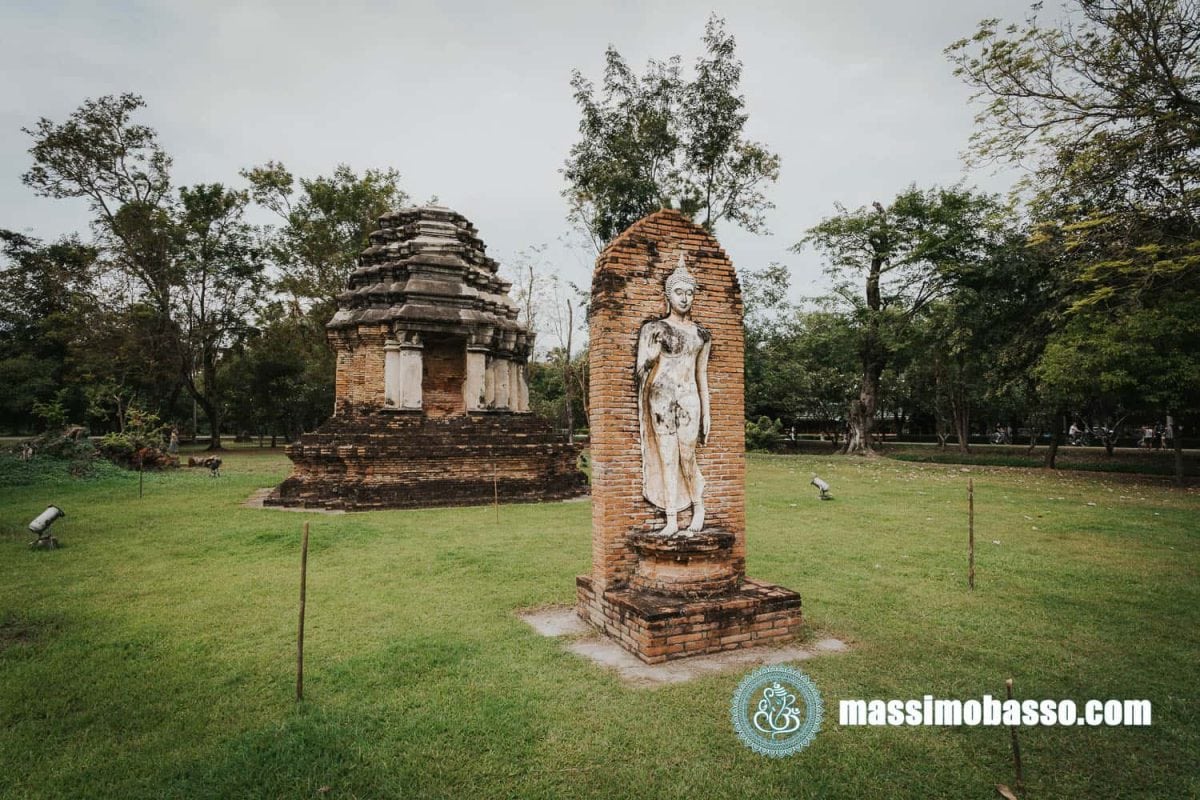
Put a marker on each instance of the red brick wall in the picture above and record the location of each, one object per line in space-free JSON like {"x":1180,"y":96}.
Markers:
{"x":444,"y":364}
{"x":359,"y":378}
{"x":627,"y":290}
{"x":406,"y":459}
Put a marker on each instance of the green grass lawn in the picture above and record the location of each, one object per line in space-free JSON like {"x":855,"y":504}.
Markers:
{"x":1132,"y":460}
{"x":153,"y":656}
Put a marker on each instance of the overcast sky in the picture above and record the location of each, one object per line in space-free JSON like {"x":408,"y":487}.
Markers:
{"x":470,"y":101}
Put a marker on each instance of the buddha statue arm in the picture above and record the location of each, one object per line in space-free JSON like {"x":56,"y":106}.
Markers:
{"x":702,"y":385}
{"x":649,"y":349}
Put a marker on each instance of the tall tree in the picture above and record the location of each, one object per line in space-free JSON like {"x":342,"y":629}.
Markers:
{"x":279,"y":379}
{"x":906,"y":256}
{"x":46,"y":300}
{"x":223,"y":282}
{"x":1104,"y":106}
{"x":804,"y":369}
{"x":182,"y":267}
{"x":100,"y":154}
{"x":650,"y":142}
{"x":326,"y":222}
{"x":1104,"y":103}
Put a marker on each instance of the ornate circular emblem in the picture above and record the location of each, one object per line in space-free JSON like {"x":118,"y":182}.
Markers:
{"x":776,"y":711}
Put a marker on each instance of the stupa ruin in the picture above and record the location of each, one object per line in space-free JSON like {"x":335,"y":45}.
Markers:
{"x":432,"y":394}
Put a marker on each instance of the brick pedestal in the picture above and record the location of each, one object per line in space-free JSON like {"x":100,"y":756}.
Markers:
{"x":689,"y":567}
{"x":657,"y":628}
{"x":669,"y":598}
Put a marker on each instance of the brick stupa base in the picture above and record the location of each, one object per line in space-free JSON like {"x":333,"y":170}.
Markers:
{"x":397,"y":459}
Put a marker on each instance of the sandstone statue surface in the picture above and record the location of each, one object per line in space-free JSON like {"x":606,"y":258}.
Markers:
{"x":673,"y":404}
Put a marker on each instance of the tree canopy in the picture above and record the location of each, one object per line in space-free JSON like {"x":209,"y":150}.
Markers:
{"x":661,"y":140}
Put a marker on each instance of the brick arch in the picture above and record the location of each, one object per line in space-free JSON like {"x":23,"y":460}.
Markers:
{"x":627,"y":291}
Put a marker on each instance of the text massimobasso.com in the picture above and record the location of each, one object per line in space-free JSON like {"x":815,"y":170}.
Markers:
{"x":993,"y":711}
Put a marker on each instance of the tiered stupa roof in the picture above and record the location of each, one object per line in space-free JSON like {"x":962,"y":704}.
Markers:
{"x":426,"y":270}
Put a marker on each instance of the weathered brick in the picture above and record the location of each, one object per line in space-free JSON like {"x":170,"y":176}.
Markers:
{"x":688,"y":602}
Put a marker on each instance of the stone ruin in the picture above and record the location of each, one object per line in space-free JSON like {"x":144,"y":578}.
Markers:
{"x":432,"y":393}
{"x":668,"y":575}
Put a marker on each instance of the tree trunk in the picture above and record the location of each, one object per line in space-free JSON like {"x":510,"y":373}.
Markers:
{"x":1055,"y":439}
{"x":962,"y":423}
{"x":874,"y":359}
{"x":214,"y":422}
{"x":173,"y":397}
{"x":211,"y":402}
{"x":213,"y":414}
{"x":581,"y":383}
{"x":568,"y":387}
{"x":862,"y":413}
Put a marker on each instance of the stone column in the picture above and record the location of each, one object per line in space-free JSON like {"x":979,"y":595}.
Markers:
{"x":522,"y":403}
{"x":392,"y":388}
{"x":411,"y":373}
{"x":502,"y":374}
{"x":514,"y":386}
{"x":489,"y":384}
{"x":475,"y":384}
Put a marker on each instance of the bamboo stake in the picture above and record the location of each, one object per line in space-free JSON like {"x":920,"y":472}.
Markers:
{"x":1016,"y":746}
{"x":971,"y":533}
{"x":496,"y":491}
{"x":140,"y":478}
{"x":300,"y":633}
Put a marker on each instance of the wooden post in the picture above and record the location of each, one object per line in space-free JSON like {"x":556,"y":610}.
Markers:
{"x":971,"y":533}
{"x":300,"y":634}
{"x":1016,"y":746}
{"x":140,"y":478}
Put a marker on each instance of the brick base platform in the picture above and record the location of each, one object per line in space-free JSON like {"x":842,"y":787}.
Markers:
{"x":399,"y":459}
{"x":657,"y":628}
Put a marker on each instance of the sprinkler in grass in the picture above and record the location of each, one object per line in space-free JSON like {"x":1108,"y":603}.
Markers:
{"x":823,"y":487}
{"x":41,"y":526}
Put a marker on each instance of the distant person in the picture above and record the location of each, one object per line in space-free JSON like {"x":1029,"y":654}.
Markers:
{"x":1075,"y":433}
{"x":173,"y":444}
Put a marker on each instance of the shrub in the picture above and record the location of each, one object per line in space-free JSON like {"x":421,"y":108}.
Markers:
{"x":763,"y":434}
{"x":139,"y":444}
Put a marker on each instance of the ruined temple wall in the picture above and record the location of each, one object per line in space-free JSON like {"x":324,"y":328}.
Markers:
{"x":627,"y":290}
{"x":445,"y":368}
{"x":360,"y":355}
{"x":398,"y":459}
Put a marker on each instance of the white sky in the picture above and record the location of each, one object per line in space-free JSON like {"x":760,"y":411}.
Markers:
{"x":470,"y":101}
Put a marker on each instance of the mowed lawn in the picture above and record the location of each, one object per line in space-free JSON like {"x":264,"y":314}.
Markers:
{"x":154,"y":655}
